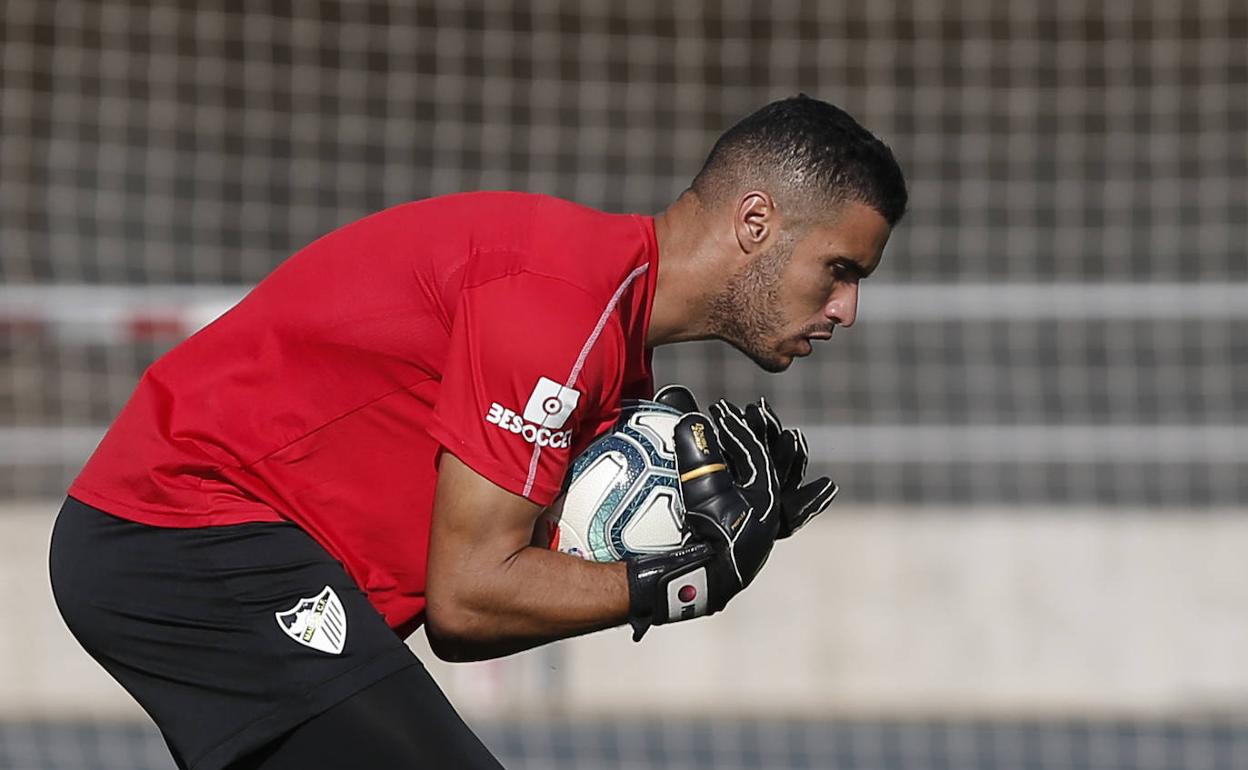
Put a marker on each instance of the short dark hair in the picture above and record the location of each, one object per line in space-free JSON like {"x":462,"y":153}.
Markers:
{"x":815,"y":149}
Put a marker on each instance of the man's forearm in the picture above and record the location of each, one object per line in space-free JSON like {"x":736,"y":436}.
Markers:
{"x":491,"y":608}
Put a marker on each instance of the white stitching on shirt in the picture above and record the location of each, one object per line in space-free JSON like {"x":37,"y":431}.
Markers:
{"x":580,"y":360}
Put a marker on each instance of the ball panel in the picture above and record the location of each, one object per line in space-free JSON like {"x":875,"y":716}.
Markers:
{"x":603,"y":475}
{"x":658,"y":428}
{"x":656,"y":523}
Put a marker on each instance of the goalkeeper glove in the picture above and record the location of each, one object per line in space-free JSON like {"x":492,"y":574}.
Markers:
{"x":730,"y":493}
{"x":799,"y":503}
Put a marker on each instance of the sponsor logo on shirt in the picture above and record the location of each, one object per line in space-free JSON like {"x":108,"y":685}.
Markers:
{"x":550,"y":404}
{"x":548,"y":408}
{"x":509,"y":421}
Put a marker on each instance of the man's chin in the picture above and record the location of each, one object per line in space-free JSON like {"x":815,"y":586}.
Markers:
{"x":769,"y":361}
{"x":775,"y":365}
{"x":772,"y":363}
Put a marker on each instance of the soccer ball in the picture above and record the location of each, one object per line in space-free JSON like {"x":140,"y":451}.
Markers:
{"x":621,"y":497}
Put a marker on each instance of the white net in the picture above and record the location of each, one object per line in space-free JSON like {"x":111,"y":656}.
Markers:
{"x":1047,"y":146}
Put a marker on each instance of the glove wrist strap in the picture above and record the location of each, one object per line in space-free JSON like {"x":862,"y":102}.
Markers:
{"x":668,"y":587}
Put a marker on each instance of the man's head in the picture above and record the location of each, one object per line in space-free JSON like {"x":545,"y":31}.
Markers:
{"x":810,"y":197}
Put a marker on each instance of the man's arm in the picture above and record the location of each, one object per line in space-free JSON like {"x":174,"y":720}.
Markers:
{"x":489,"y":592}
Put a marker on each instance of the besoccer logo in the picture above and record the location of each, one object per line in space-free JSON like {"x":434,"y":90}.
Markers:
{"x":547,"y":410}
{"x":319,"y":622}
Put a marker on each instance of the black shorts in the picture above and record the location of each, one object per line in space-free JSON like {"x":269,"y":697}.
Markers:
{"x":229,"y":637}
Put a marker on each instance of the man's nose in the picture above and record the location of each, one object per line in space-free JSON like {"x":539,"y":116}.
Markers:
{"x":842,"y":308}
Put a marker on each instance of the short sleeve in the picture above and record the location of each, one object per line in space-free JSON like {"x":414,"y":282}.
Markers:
{"x":532,"y":364}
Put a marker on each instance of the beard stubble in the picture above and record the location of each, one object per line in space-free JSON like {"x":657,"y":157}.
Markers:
{"x":746,"y":313}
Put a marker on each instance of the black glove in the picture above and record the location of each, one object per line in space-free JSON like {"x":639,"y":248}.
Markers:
{"x":799,"y":503}
{"x":734,"y":524}
{"x":677,"y":397}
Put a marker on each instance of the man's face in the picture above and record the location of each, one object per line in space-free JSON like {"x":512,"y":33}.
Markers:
{"x":799,"y":288}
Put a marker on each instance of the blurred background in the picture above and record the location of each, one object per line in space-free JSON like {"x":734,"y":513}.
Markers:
{"x":1039,"y":558}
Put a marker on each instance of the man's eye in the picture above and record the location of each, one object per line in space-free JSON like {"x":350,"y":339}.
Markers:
{"x":844,"y":272}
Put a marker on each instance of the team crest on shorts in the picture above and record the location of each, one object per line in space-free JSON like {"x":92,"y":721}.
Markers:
{"x":318,"y":622}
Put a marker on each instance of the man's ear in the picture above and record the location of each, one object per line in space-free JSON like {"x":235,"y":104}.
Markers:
{"x":754,"y":220}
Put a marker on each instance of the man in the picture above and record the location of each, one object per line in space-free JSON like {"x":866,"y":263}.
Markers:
{"x":364,"y":443}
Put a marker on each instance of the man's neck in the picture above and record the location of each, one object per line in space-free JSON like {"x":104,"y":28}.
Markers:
{"x":687,"y":276}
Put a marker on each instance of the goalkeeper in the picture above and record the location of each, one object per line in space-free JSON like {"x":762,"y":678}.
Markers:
{"x":363,"y":444}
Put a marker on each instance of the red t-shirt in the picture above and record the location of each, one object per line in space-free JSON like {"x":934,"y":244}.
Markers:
{"x":505,"y":327}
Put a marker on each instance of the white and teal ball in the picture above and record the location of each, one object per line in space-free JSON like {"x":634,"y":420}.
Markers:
{"x":621,"y":497}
